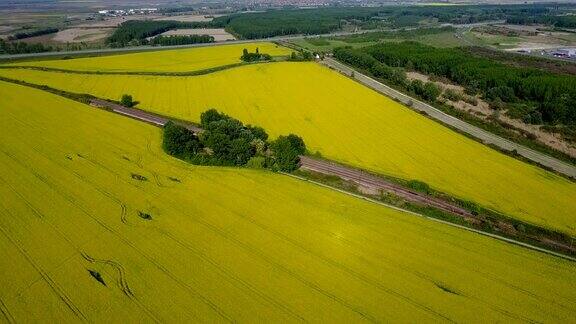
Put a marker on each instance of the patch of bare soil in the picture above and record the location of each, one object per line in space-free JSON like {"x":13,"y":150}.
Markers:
{"x":77,"y":35}
{"x":482,"y":110}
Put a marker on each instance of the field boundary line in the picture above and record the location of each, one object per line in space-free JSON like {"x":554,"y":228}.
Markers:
{"x":437,"y":115}
{"x":142,"y":73}
{"x":498,"y":237}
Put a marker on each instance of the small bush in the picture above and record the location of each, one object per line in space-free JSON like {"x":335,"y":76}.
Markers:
{"x":144,"y":215}
{"x":452,"y":95}
{"x":256,"y":162}
{"x":419,"y":186}
{"x":139,"y":177}
{"x":127,"y":101}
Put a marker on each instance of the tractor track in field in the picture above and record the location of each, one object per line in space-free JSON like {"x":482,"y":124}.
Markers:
{"x":55,"y":287}
{"x":371,"y":181}
{"x":122,"y":283}
{"x":6,"y":313}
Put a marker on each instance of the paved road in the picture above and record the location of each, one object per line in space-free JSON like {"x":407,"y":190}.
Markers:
{"x":486,"y":137}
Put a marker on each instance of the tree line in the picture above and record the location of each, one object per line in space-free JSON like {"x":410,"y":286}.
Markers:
{"x":23,"y":48}
{"x":136,"y":32}
{"x":225,"y":141}
{"x":325,"y":20}
{"x":181,"y":40}
{"x":543,"y":16}
{"x":35,"y":33}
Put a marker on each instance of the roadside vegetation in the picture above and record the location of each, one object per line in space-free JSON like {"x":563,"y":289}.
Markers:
{"x":531,"y":95}
{"x":7,"y":47}
{"x":225,"y":141}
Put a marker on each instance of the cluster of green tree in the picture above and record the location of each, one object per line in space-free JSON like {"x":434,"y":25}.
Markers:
{"x":181,"y":40}
{"x":545,"y":96}
{"x":426,"y":90}
{"x":136,"y":32}
{"x":226,"y":141}
{"x":366,"y":62}
{"x":325,"y":20}
{"x":301,"y":56}
{"x":35,"y":33}
{"x":127,"y":101}
{"x":254,"y":57}
{"x":543,"y":16}
{"x":23,"y":48}
{"x":290,"y":22}
{"x":176,"y":9}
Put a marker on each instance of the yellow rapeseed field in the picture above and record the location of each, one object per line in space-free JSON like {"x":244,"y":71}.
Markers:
{"x":349,"y":123}
{"x":84,"y":190}
{"x":182,"y":60}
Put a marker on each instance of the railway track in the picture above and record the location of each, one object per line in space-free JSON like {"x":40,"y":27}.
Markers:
{"x":370,"y":181}
{"x":138,"y":114}
{"x":321,"y":166}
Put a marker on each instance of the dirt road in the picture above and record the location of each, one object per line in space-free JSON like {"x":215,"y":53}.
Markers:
{"x":479,"y":133}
